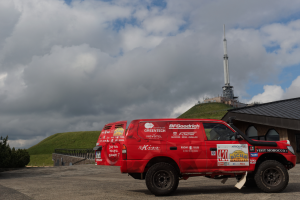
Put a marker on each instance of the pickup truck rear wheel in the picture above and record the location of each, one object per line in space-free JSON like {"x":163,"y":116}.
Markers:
{"x":162,"y":179}
{"x":271,"y":176}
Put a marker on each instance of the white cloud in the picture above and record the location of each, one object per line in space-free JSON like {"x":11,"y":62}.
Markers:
{"x":275,"y":92}
{"x":77,"y":67}
{"x":271,"y":93}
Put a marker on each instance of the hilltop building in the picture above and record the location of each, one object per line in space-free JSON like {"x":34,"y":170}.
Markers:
{"x":228,"y":96}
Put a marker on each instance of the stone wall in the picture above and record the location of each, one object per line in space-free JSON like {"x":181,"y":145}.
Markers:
{"x":65,"y":160}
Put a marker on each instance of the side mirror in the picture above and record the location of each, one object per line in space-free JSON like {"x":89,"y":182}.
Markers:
{"x":237,"y":136}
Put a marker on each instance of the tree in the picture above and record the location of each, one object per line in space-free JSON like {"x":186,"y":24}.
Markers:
{"x":11,"y":158}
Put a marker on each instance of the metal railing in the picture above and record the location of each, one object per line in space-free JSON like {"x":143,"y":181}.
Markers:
{"x":82,"y":153}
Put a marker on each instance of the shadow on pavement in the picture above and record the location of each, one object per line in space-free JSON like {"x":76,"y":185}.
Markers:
{"x":185,"y":191}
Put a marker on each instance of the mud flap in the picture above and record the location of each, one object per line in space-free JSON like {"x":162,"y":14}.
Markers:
{"x":242,"y":182}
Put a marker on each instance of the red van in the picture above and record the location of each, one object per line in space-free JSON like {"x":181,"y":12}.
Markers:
{"x":164,"y":151}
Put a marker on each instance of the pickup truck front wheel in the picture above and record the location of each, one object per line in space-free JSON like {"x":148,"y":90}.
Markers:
{"x":271,"y":176}
{"x":162,"y":179}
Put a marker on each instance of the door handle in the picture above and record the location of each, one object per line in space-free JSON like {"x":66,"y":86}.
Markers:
{"x":173,"y":148}
{"x":213,"y":149}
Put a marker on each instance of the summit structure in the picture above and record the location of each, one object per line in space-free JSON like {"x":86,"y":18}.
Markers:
{"x":227,"y":88}
{"x":227,"y":97}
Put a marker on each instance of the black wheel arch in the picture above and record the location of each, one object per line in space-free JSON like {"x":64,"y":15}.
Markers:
{"x":162,"y":159}
{"x":273,"y":156}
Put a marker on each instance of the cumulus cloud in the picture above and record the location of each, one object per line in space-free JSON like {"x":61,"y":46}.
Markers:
{"x":76,"y":67}
{"x":275,"y":92}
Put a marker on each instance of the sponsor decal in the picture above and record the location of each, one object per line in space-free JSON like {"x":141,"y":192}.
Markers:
{"x":105,"y":132}
{"x":149,"y":125}
{"x":181,"y":126}
{"x":153,"y":136}
{"x":118,"y":132}
{"x":149,"y":148}
{"x":190,"y":148}
{"x":175,"y":135}
{"x":272,"y":150}
{"x":223,"y":164}
{"x":252,"y":161}
{"x":223,"y":146}
{"x":232,"y":155}
{"x":161,"y":130}
{"x":150,"y":128}
{"x":213,"y":153}
{"x":239,"y":146}
{"x":97,"y":144}
{"x":238,"y":156}
{"x":253,"y":154}
{"x":223,"y":155}
{"x":113,"y":152}
{"x":251,"y":148}
{"x":187,"y":133}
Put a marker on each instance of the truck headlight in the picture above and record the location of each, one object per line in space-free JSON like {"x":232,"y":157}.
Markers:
{"x":290,"y":148}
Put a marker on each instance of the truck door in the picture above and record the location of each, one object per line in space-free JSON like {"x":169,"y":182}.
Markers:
{"x":186,"y":144}
{"x":152,"y":139}
{"x":224,"y":152}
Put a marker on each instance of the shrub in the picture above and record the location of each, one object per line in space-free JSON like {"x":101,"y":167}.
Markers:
{"x":11,"y":158}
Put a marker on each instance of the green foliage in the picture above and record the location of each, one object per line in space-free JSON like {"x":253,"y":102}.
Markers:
{"x":41,"y":153}
{"x":206,"y":111}
{"x":11,"y":158}
{"x":41,"y":160}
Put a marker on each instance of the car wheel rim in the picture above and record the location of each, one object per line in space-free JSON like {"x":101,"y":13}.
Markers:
{"x":162,"y":179}
{"x":272,"y":177}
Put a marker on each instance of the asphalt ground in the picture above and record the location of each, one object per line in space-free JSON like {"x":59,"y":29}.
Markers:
{"x":104,"y":182}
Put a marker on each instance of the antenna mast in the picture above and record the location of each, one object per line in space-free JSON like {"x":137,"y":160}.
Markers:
{"x":225,"y":61}
{"x":227,"y":88}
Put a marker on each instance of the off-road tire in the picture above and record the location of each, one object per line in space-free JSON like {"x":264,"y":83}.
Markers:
{"x":271,"y":176}
{"x":162,"y":179}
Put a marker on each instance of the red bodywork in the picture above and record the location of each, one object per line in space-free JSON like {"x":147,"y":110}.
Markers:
{"x":185,"y":142}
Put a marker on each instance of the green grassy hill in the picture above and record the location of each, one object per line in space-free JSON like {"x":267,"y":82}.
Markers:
{"x":41,"y":153}
{"x":207,"y":111}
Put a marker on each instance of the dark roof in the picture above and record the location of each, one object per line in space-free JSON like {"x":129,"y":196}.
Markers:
{"x":288,"y":108}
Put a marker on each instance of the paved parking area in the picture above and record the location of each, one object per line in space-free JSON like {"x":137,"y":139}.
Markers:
{"x":103,"y":182}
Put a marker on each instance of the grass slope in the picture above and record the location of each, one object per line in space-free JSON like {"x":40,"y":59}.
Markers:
{"x":207,"y":111}
{"x":41,"y":153}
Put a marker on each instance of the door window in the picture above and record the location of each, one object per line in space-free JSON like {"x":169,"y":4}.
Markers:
{"x":216,"y":131}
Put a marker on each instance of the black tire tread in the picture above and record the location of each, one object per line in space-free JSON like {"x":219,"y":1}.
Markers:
{"x":275,"y":189}
{"x":152,"y":170}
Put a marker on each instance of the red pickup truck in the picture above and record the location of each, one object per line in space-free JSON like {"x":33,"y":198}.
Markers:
{"x":164,"y":151}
